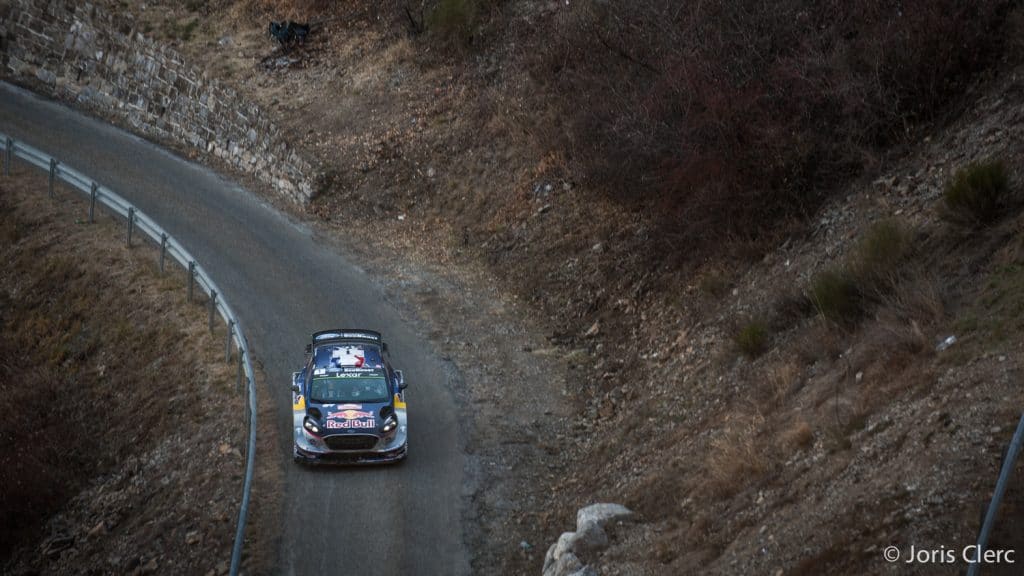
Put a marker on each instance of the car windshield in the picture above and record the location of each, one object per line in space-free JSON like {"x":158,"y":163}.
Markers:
{"x":342,"y":389}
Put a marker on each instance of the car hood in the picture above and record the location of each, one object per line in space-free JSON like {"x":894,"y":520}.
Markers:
{"x":363,"y":417}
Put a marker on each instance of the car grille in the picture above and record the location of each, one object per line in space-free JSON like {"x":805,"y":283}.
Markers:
{"x":350,"y":442}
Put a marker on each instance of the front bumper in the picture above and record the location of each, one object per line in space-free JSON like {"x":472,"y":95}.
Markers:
{"x":307,"y":453}
{"x":350,"y":458}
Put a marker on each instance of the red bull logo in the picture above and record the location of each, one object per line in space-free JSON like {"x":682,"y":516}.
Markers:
{"x":350,"y":414}
{"x":343,"y":424}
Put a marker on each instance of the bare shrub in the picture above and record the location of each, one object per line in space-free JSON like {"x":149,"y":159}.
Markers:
{"x":727,"y":118}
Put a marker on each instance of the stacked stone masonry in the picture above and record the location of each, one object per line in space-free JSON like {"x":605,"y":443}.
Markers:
{"x":78,"y":53}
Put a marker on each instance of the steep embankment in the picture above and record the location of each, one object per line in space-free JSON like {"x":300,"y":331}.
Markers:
{"x":760,"y":414}
{"x":115,"y":452}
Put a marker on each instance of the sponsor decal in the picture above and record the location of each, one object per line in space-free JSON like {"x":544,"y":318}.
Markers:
{"x":341,"y":424}
{"x":299,"y":402}
{"x":350,"y":414}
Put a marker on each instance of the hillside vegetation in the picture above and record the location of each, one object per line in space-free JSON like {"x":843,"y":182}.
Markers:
{"x":747,"y":227}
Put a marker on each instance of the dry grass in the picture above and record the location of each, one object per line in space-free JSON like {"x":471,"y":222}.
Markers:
{"x":904,"y":326}
{"x":398,"y":52}
{"x":797,"y":436}
{"x":735,"y":458}
{"x":817,"y":343}
{"x":780,"y":382}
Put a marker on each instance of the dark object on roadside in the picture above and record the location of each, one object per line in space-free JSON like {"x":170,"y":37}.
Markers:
{"x":288,"y":33}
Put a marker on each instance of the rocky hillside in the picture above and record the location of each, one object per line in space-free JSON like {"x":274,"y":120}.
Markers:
{"x":777,"y":250}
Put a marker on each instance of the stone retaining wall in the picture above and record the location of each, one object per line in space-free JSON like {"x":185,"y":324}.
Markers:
{"x":78,"y":53}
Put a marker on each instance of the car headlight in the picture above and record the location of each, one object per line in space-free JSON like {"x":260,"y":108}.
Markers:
{"x":310,"y":425}
{"x":390,"y":424}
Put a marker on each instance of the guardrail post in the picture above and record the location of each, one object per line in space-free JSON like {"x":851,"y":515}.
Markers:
{"x":191,"y":277}
{"x":131,"y":225}
{"x":241,"y":370}
{"x":245,"y":422}
{"x":8,"y":151}
{"x":53,"y":174}
{"x":213,"y":308}
{"x":163,"y":250}
{"x":93,"y":192}
{"x":227,"y":345}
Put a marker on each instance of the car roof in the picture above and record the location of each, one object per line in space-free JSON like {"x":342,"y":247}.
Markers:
{"x":347,"y":356}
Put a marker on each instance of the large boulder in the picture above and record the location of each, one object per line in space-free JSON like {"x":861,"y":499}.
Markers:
{"x":601,"y":514}
{"x":563,"y":557}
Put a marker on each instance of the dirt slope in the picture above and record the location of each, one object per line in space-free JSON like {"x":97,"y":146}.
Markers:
{"x":116,"y":452}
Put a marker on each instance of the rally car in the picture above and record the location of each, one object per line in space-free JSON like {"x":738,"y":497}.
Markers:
{"x":348,"y":404}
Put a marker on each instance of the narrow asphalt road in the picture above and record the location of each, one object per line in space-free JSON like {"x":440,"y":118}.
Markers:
{"x":405,"y":519}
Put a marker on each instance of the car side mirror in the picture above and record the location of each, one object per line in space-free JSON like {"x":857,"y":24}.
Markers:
{"x":384,"y":346}
{"x":309,"y":349}
{"x":402,"y":385}
{"x":296,"y":389}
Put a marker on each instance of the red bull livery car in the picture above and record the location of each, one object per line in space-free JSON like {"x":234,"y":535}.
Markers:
{"x":348,"y":404}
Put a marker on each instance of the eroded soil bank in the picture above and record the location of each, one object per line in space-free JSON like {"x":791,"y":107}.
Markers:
{"x":120,"y":449}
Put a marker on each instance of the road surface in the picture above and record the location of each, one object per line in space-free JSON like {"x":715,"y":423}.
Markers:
{"x":284,"y":285}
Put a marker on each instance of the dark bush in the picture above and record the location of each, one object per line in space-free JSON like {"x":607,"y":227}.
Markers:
{"x":836,"y":297}
{"x":752,"y":339}
{"x":976,"y":193}
{"x":726,"y":118}
{"x":878,"y":256}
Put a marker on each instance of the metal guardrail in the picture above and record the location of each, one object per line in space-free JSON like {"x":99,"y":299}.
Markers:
{"x":137,"y":220}
{"x":997,"y":496}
